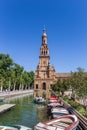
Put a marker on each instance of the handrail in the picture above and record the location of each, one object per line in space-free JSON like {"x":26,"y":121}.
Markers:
{"x":82,"y":120}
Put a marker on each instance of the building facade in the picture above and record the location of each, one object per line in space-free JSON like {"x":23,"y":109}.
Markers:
{"x":45,"y":74}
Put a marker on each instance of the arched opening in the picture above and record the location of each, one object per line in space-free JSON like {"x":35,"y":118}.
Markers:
{"x":44,"y":86}
{"x":36,"y":86}
{"x":44,"y":52}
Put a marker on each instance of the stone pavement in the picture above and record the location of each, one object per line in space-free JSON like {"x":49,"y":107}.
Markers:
{"x":13,"y":93}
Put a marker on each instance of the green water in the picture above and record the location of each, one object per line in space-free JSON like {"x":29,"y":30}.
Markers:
{"x":24,"y":113}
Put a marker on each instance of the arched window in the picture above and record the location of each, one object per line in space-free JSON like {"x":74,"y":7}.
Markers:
{"x":44,"y":86}
{"x":36,"y":86}
{"x":44,"y":52}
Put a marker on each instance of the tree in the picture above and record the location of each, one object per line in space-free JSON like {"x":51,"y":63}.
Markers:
{"x":78,"y":81}
{"x":13,"y":76}
{"x":60,"y":86}
{"x":18,"y":73}
{"x":5,"y":64}
{"x":31,"y":78}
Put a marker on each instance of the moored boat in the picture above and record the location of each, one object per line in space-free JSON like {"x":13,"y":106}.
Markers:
{"x":39,"y":100}
{"x":53,"y":100}
{"x":14,"y":127}
{"x":53,"y":97}
{"x":58,"y":111}
{"x":69,"y":122}
{"x":54,"y":104}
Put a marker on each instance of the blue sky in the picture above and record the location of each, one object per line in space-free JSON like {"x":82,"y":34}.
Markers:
{"x":21,"y":25}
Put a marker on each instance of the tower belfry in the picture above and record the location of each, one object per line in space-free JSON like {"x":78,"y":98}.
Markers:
{"x":44,"y":51}
{"x":44,"y":74}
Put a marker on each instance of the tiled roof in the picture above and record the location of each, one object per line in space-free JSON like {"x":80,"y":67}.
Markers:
{"x":63,"y":75}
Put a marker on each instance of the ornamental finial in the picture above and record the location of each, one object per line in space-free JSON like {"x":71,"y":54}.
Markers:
{"x":44,"y":31}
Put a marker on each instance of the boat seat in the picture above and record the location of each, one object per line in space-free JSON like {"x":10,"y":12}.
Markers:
{"x":62,"y":124}
{"x":59,"y":125}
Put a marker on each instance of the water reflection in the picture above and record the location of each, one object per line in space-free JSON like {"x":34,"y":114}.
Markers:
{"x":45,"y":94}
{"x":24,"y":113}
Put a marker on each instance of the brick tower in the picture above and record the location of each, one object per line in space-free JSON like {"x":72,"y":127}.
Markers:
{"x":45,"y":74}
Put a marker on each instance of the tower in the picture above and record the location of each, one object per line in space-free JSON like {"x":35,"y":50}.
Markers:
{"x":44,"y":74}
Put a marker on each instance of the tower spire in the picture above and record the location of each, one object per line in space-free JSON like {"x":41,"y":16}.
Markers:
{"x":44,"y":50}
{"x":44,"y":31}
{"x":44,"y":36}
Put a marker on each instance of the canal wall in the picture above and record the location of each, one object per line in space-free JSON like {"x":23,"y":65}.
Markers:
{"x":15,"y":93}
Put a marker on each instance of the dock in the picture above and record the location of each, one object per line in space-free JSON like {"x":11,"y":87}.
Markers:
{"x":6,"y":107}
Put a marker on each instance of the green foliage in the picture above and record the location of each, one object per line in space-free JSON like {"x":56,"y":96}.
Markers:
{"x":13,"y":75}
{"x":60,"y":86}
{"x":78,"y":82}
{"x":80,"y":108}
{"x":31,"y":77}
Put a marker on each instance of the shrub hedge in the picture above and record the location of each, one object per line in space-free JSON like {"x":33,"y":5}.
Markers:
{"x":80,"y":108}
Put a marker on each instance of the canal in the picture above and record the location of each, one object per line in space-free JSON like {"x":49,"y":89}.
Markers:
{"x":24,"y":113}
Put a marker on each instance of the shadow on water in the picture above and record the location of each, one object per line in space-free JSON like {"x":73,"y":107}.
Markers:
{"x":24,"y":113}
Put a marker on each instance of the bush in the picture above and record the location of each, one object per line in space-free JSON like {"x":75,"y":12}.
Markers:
{"x":80,"y":108}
